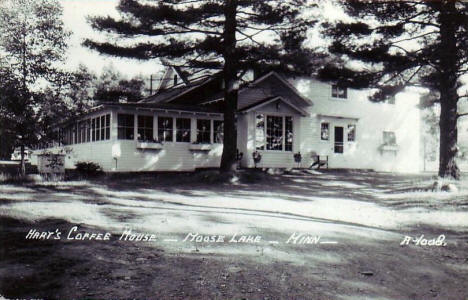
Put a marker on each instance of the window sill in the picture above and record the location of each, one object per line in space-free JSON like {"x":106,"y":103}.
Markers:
{"x":274,"y":151}
{"x":149,"y":145}
{"x":200,"y":147}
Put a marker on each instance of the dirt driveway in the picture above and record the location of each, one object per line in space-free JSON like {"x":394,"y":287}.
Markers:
{"x":332,"y":235}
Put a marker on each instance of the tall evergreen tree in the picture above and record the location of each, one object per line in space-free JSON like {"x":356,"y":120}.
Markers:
{"x":227,"y":35}
{"x":401,"y":43}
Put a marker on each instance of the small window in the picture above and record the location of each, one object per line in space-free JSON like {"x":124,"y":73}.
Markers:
{"x":126,"y":126}
{"x":165,"y":129}
{"x":203,"y":131}
{"x":324,"y":132}
{"x":351,"y":132}
{"x":389,"y":138}
{"x":339,"y":91}
{"x":218,"y":131}
{"x":260,"y":132}
{"x":145,"y":128}
{"x":183,"y":126}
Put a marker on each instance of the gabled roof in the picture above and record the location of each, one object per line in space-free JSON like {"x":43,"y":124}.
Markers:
{"x":269,"y":100}
{"x":165,"y":96}
{"x":276,"y":75}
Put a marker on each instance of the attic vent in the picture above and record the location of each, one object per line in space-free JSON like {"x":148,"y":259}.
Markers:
{"x":175,"y":79}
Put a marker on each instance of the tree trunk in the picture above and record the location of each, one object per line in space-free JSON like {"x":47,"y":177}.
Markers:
{"x":448,"y":140}
{"x":448,"y":92}
{"x":228,"y":158}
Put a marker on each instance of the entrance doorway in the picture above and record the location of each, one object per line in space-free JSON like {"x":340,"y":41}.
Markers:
{"x":339,"y":139}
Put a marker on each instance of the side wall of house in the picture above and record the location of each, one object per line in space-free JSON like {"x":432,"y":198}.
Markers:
{"x":131,"y":155}
{"x":371,"y":120}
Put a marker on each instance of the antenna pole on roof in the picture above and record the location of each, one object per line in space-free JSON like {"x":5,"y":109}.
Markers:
{"x":151,"y":84}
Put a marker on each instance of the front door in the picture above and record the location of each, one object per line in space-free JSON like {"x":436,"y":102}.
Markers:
{"x":338,"y":139}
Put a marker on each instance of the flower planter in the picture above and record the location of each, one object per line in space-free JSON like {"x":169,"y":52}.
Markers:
{"x":389,"y":148}
{"x":149,"y":146}
{"x":200,"y":147}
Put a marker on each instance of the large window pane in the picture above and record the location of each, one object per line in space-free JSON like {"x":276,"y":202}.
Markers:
{"x":260,"y":132}
{"x":218,"y":133}
{"x":145,"y":128}
{"x":274,"y":133}
{"x":351,"y":132}
{"x":103,"y":127}
{"x":183,"y":126}
{"x":98,"y":127}
{"x":288,"y":145}
{"x":324,"y":132}
{"x":204,"y":131}
{"x":107,"y":126}
{"x":165,"y":129}
{"x":93,"y":130}
{"x":125,"y":126}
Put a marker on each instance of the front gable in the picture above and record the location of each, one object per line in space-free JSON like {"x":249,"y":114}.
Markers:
{"x":271,"y":85}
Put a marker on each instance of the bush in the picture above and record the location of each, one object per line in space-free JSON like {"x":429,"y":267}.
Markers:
{"x":88,"y":169}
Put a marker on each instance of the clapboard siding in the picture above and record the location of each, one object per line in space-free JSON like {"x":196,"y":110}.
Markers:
{"x":371,"y":120}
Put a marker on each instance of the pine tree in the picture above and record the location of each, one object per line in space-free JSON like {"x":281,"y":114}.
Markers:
{"x":225,"y":35}
{"x":401,"y":43}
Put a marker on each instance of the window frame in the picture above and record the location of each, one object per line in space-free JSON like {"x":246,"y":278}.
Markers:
{"x":354,"y":133}
{"x":126,"y":127}
{"x":209,"y":131}
{"x":392,"y":135}
{"x":177,"y":130}
{"x":265,"y":142}
{"x":335,"y":91}
{"x":145,"y":127}
{"x":165,"y":129}
{"x":218,"y":132}
{"x":327,"y":139}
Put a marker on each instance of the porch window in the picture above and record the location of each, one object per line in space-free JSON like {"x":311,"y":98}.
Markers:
{"x":125,"y":126}
{"x":277,"y":135}
{"x":218,"y":131}
{"x":183,"y":127}
{"x":98,"y":127}
{"x":260,"y":132}
{"x":351,"y":132}
{"x":203,"y":131}
{"x":324,"y":131}
{"x":145,"y":128}
{"x":105,"y":127}
{"x":339,"y":91}
{"x":87,"y":131}
{"x":288,"y":144}
{"x":165,"y":129}
{"x":93,"y":130}
{"x":389,"y":138}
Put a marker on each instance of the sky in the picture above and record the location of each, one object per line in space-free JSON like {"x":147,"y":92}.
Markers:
{"x":75,"y":13}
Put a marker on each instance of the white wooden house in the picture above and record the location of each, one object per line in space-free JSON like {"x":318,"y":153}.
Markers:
{"x":180,"y":127}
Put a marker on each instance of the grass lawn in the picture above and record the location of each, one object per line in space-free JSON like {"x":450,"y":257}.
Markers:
{"x":354,"y":222}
